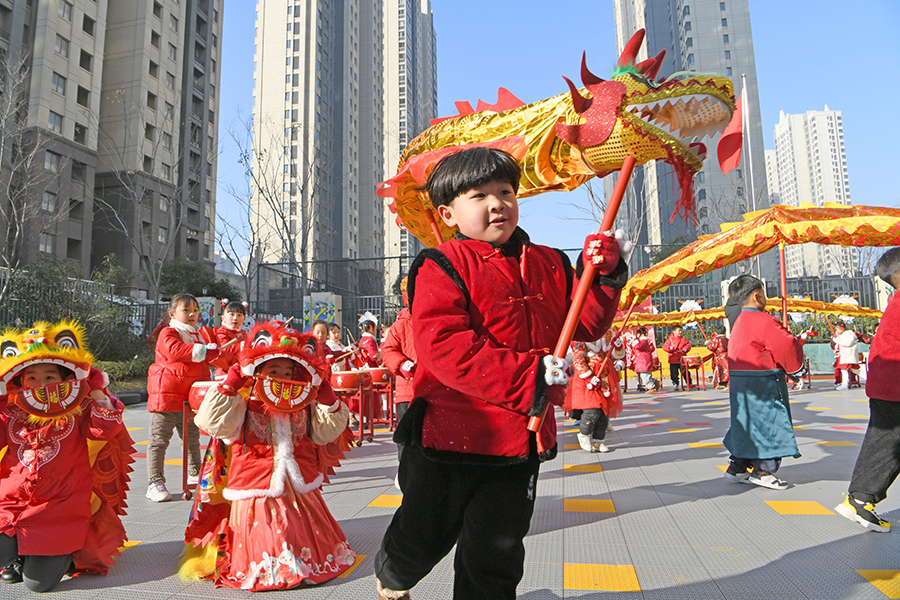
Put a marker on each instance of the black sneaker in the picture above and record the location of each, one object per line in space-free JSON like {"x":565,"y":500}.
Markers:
{"x":13,"y":572}
{"x":736,"y":474}
{"x":766,"y":479}
{"x":863,"y":513}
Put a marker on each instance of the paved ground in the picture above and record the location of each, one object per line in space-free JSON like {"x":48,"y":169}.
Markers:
{"x":654,"y":518}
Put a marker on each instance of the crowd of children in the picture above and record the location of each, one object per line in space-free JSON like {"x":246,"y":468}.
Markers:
{"x":469,"y":353}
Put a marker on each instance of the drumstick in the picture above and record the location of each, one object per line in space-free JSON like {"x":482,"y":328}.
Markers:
{"x":230,"y":342}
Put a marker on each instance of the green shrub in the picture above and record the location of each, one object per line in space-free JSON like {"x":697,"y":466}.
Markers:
{"x":135,"y":368}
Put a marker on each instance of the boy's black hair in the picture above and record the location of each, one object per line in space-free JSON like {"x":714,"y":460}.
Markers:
{"x":678,"y":327}
{"x":321,"y":322}
{"x":720,"y":329}
{"x":642,"y":331}
{"x":333,"y":326}
{"x":742,"y":286}
{"x":235,"y":307}
{"x":888,"y":267}
{"x":185,"y":299}
{"x":460,"y":172}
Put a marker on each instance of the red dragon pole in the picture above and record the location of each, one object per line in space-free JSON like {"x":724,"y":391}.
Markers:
{"x":587,"y":279}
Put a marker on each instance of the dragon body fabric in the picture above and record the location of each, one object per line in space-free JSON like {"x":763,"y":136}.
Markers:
{"x":566,"y":140}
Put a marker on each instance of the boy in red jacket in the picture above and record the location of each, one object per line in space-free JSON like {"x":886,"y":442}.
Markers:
{"x":486,"y":306}
{"x":878,"y":462}
{"x":232,"y":322}
{"x":677,"y":346}
{"x":181,"y":360}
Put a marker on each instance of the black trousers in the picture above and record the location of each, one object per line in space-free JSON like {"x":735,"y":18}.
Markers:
{"x":593,"y":423}
{"x":39,"y":573}
{"x":878,"y":463}
{"x":675,"y":374}
{"x":485,"y":510}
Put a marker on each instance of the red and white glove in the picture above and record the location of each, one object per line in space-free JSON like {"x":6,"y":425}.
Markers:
{"x":593,"y":383}
{"x":556,"y":370}
{"x":212,"y":352}
{"x":234,"y":380}
{"x":408,"y":369}
{"x":97,"y":379}
{"x":617,"y":341}
{"x":605,"y":249}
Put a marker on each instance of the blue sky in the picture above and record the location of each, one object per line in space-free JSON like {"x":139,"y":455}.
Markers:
{"x":807,"y":55}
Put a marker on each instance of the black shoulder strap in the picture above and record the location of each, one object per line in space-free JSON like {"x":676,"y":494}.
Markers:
{"x":441,"y":261}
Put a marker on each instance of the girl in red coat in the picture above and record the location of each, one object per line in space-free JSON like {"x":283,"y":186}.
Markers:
{"x":642,"y":351}
{"x":232,"y":320}
{"x":399,"y":355}
{"x":596,"y":391}
{"x":718,"y":345}
{"x":276,"y":419}
{"x":367,"y":344}
{"x":181,"y":360}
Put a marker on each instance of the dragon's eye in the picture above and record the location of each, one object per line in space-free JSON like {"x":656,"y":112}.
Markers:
{"x":263,"y":338}
{"x":66,"y":339}
{"x":8,"y":348}
{"x":309,"y":347}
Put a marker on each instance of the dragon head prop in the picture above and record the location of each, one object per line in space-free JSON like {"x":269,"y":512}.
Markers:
{"x":564,"y":141}
{"x":270,"y":341}
{"x":60,"y":345}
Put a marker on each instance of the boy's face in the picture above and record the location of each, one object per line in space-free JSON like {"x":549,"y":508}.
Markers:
{"x":320,"y":332}
{"x":233,"y":319}
{"x":488,"y":212}
{"x":40,"y":375}
{"x":677,"y":332}
{"x":279,"y":368}
{"x":334,"y":335}
{"x":756,"y":299}
{"x":185,"y":313}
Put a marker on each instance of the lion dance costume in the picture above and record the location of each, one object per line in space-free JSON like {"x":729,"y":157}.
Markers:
{"x":65,"y":460}
{"x":259,"y":521}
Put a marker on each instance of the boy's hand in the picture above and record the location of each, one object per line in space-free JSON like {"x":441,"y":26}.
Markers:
{"x":556,"y":370}
{"x":212,"y":352}
{"x":408,"y":369}
{"x":605,"y":249}
{"x":97,"y":379}
{"x":234,"y":380}
{"x":593,"y":383}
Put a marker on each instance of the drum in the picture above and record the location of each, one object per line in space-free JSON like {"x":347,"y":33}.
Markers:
{"x":349,"y":381}
{"x":380,"y":375}
{"x":691,"y":361}
{"x":198,"y":393}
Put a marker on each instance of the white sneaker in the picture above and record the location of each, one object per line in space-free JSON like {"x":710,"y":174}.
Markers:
{"x":609,"y":427}
{"x":798,"y":385}
{"x":600,"y":447}
{"x":157,"y":491}
{"x":397,"y":481}
{"x":193,"y":479}
{"x":843,"y":386}
{"x":585,"y":442}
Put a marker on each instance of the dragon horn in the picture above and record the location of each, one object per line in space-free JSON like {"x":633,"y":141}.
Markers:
{"x":650,"y":67}
{"x":631,"y":49}
{"x":587,"y":77}
{"x":580,"y":103}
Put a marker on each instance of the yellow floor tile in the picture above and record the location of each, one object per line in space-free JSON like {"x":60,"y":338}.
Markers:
{"x":799,"y":428}
{"x":386,"y":501}
{"x":588,"y":505}
{"x":860,"y":400}
{"x":887,"y":582}
{"x":611,"y":578}
{"x":682,"y":430}
{"x":135,"y":428}
{"x":723,"y":468}
{"x":854,"y":416}
{"x":838,"y":444}
{"x":144,"y":443}
{"x":832,"y":394}
{"x":571,"y":446}
{"x":816,"y":408}
{"x":798,"y":507}
{"x":571,"y":430}
{"x":665,"y":419}
{"x":715,"y":402}
{"x":583,"y":468}
{"x":128,"y":544}
{"x":356,"y":563}
{"x":705,"y":445}
{"x":174,"y":461}
{"x":653,"y":410}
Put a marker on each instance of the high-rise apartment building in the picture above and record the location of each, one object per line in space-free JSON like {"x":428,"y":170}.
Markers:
{"x":703,"y":36}
{"x":410,"y":101}
{"x":318,"y":107}
{"x":123,"y":98}
{"x":809,"y":164}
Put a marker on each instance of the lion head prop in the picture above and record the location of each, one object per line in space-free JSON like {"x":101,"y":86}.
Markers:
{"x":270,"y":341}
{"x":60,"y":345}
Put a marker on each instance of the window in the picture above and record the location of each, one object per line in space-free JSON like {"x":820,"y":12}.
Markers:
{"x":173,"y":23}
{"x":48,"y":202}
{"x":81,"y":133}
{"x":76,"y":210}
{"x":84,"y":97}
{"x":167,"y":141}
{"x":154,"y":39}
{"x":51,"y":161}
{"x":173,"y":52}
{"x":151,"y":101}
{"x":46,"y":242}
{"x":725,"y":38}
{"x":728,"y":71}
{"x":154,"y":70}
{"x":690,"y":59}
{"x":167,"y":171}
{"x":79,"y":172}
{"x":163,"y":203}
{"x":87,"y":25}
{"x":149,"y":132}
{"x":85,"y":61}
{"x":148,"y":165}
{"x":162,"y":235}
{"x":65,"y":10}
{"x":724,"y":22}
{"x":170,"y":111}
{"x":689,"y":43}
{"x":727,"y":54}
{"x":157,"y":10}
{"x":701,"y":176}
{"x":62,"y":46}
{"x":686,"y":11}
{"x":170,"y":81}
{"x":687,"y":25}
{"x":55,"y":122}
{"x":58,"y":84}
{"x":701,"y":194}
{"x":721,"y":6}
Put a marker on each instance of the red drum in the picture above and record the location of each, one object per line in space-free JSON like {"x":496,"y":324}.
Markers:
{"x":380,"y":375}
{"x":198,"y":393}
{"x":349,"y":381}
{"x":691,"y":361}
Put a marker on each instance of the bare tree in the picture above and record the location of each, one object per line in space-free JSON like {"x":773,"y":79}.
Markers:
{"x":138,"y":197}
{"x":27,"y":169}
